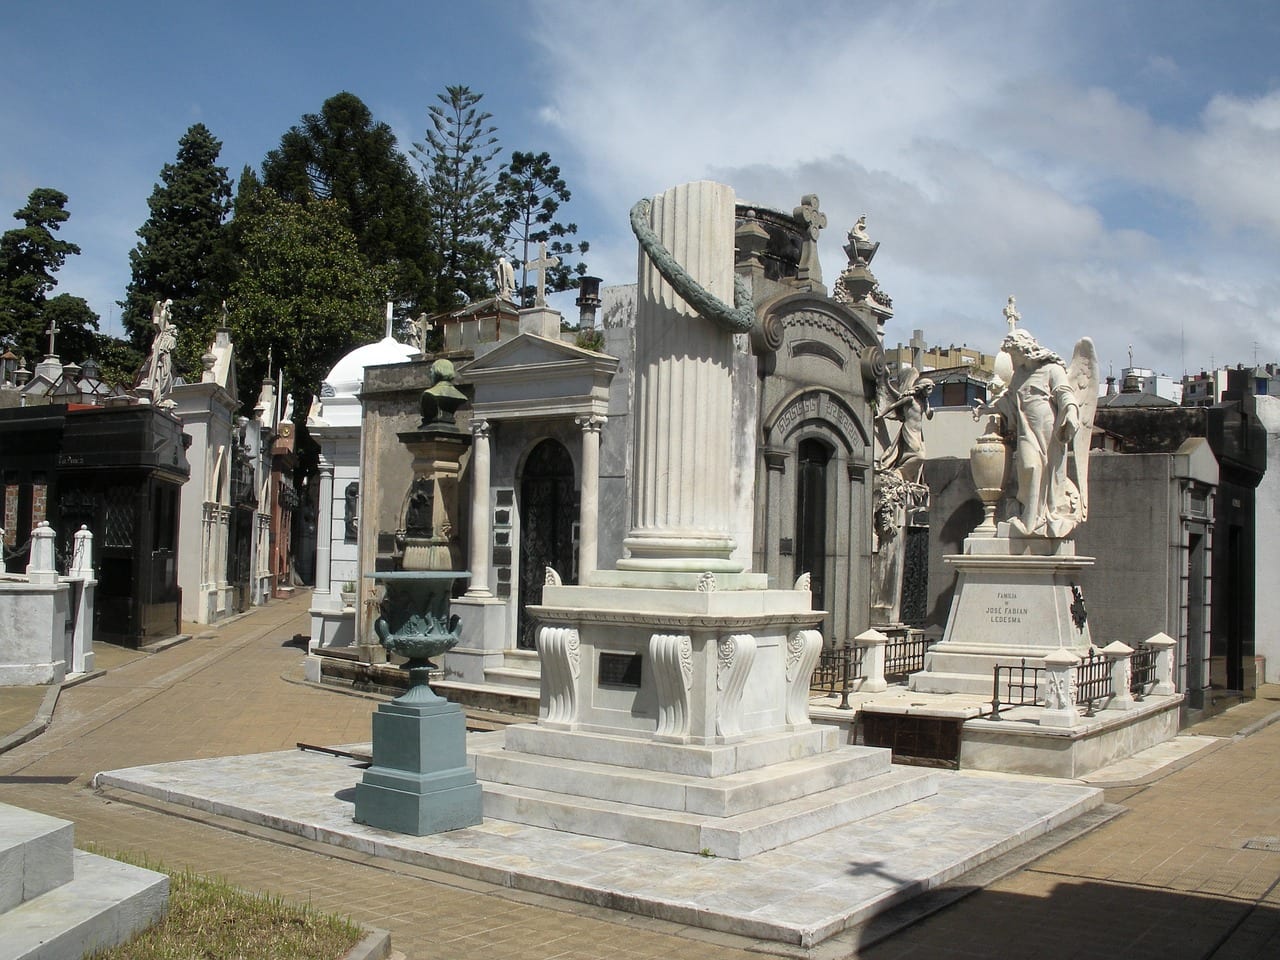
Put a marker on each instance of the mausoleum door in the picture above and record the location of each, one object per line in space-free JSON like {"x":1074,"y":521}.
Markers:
{"x":813,"y":462}
{"x":547,"y":516}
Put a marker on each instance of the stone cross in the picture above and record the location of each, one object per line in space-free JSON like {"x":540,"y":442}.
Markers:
{"x":540,"y":267}
{"x":53,"y":331}
{"x":814,"y":221}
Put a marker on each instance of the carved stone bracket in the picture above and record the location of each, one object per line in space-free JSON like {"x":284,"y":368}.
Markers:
{"x":671,"y":655}
{"x":803,"y":648}
{"x":558,"y":649}
{"x":734,"y":656}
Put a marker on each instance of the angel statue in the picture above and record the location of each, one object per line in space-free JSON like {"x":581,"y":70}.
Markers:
{"x":1050,"y":408}
{"x":911,"y":406}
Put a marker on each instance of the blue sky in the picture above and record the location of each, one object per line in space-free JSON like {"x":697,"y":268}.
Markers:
{"x":1113,"y":165}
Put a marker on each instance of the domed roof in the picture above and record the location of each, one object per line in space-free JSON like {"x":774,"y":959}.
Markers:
{"x":347,"y":375}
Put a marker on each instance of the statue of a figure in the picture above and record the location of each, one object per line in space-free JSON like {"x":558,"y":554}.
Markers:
{"x":1050,"y":408}
{"x":159,"y":375}
{"x":911,"y":407}
{"x":505,"y":276}
{"x":859,"y":231}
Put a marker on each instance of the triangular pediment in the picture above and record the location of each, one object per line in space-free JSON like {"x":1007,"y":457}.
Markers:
{"x":531,"y":350}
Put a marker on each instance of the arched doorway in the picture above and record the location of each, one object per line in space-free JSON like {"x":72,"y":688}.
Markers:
{"x":813,"y":457}
{"x":547,"y":515}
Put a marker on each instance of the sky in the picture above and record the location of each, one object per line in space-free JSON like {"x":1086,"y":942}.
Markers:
{"x":1113,"y":165}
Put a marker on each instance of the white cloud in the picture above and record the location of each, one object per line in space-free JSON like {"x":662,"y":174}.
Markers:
{"x":984,"y":166}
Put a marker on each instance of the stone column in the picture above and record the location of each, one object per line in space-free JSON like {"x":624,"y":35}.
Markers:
{"x":1060,"y":690}
{"x":872,"y":643}
{"x":683,"y":508}
{"x":590,"y":499}
{"x":480,"y":528}
{"x":1121,"y":673}
{"x":324,"y":531}
{"x":1164,"y":645}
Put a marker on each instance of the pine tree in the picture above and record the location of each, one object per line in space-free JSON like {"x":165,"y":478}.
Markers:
{"x":29,"y":257}
{"x":530,"y":191}
{"x":460,"y":145}
{"x":183,"y":253}
{"x":342,"y":154}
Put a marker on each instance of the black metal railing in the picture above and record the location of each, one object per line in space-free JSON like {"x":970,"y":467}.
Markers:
{"x":904,"y":655}
{"x":1015,"y":685}
{"x":1143,"y":665}
{"x":838,"y":667}
{"x":1093,"y":679}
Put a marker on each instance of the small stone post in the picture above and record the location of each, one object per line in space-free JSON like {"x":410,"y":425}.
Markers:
{"x":82,"y":555}
{"x":40,"y":567}
{"x":1060,"y":690}
{"x":872,"y":643}
{"x":1121,"y":674}
{"x":1164,"y":645}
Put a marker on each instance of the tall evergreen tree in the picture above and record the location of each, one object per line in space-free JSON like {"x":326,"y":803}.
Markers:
{"x":460,"y":146}
{"x":342,"y":154}
{"x":183,"y":253}
{"x":303,"y":292}
{"x":29,"y":257}
{"x":530,"y":191}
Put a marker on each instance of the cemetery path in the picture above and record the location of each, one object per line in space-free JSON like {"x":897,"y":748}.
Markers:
{"x":1172,"y":878}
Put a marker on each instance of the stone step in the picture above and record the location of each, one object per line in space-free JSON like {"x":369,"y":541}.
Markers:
{"x":520,"y":678}
{"x":106,"y":903}
{"x":940,"y":681}
{"x":35,"y":854}
{"x":701,"y":760}
{"x":733,"y":838}
{"x":725,"y":796}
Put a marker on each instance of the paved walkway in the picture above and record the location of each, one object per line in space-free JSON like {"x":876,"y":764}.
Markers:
{"x":1170,"y":879}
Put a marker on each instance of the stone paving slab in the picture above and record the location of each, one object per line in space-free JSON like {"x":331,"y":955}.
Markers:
{"x":800,"y":893}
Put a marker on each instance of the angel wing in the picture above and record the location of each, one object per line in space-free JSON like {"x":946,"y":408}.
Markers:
{"x":1083,"y":375}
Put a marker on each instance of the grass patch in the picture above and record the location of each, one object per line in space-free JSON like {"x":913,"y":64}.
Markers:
{"x":210,"y":919}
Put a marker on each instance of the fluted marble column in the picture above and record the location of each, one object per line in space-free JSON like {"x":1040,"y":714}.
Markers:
{"x":682,"y":507}
{"x":480,"y":527}
{"x":324,"y":529}
{"x":589,"y":507}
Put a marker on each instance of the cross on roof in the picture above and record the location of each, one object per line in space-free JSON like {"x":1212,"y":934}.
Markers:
{"x":53,"y":331}
{"x":540,"y":267}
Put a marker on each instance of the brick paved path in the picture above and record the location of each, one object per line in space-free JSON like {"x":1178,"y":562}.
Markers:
{"x":1169,"y":879}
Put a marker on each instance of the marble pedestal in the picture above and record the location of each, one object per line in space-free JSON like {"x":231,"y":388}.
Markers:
{"x":1015,"y":598}
{"x":420,"y":782}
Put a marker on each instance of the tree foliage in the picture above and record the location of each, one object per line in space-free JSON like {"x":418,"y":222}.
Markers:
{"x":30,"y":256}
{"x":459,"y":147}
{"x":304,"y":293}
{"x":183,"y":254}
{"x":530,"y":191}
{"x":341,"y":154}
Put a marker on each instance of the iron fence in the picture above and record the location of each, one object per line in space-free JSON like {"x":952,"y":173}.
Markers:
{"x":1016,"y":685}
{"x":904,"y":655}
{"x":1143,"y":665}
{"x":838,"y":667}
{"x":1093,"y":679}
